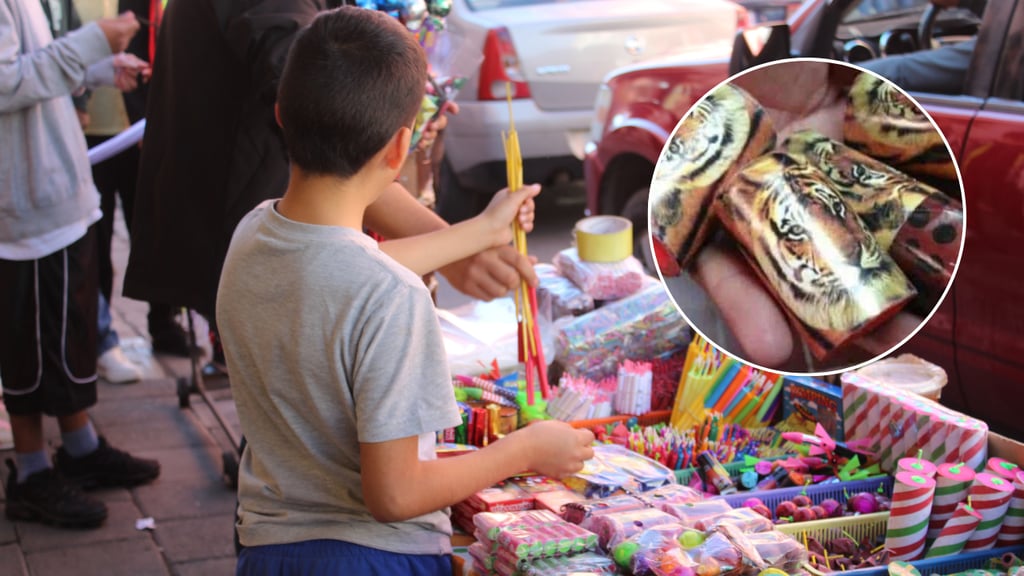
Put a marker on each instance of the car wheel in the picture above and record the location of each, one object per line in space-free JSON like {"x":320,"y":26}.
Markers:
{"x":455,"y":203}
{"x":636,"y":211}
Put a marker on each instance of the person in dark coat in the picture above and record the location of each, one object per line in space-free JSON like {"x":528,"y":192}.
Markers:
{"x":212,"y":151}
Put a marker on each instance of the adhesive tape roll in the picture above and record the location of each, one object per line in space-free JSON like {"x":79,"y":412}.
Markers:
{"x":604,"y":238}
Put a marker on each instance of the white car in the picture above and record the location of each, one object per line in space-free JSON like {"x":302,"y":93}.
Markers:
{"x":555,"y":54}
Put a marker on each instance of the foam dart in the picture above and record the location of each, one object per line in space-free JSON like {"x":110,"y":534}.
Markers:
{"x":1002,"y":468}
{"x":990,"y":495}
{"x":1012,"y":531}
{"x":899,"y":133}
{"x":908,"y":517}
{"x":956,"y":531}
{"x":720,"y":134}
{"x":951,"y":484}
{"x":829,"y":234}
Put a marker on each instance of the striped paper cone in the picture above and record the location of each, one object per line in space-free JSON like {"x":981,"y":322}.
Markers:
{"x":1002,"y":468}
{"x":1012,"y":532}
{"x":951,"y":484}
{"x":883,"y":446}
{"x":908,"y":518}
{"x":956,"y":531}
{"x":990,"y":496}
{"x":935,"y":442}
{"x":974,"y":443}
{"x":916,"y":466}
{"x":900,"y":431}
{"x":856,"y":402}
{"x":954,"y":434}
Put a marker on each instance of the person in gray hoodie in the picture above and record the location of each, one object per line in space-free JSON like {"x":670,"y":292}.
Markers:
{"x":48,"y":271}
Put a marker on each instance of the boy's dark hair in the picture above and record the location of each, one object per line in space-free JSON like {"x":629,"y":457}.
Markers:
{"x":351,"y":80}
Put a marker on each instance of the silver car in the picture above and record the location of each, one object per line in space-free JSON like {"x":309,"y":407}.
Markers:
{"x":554,"y":55}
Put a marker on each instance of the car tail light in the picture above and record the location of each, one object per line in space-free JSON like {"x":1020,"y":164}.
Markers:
{"x":743,"y":20}
{"x":501,"y":69}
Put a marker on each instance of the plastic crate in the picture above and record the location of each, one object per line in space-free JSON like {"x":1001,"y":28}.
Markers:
{"x":870,"y":526}
{"x":942,"y":566}
{"x":816,"y":492}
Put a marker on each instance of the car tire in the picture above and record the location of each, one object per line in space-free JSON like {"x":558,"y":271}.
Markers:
{"x":635,"y":210}
{"x":455,"y":203}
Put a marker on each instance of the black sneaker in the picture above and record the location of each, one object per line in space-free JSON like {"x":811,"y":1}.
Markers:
{"x":172,"y":340}
{"x":106,"y":467}
{"x":49,"y":498}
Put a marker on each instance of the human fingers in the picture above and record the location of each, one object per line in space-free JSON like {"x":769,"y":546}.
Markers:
{"x":750,"y":312}
{"x":890,"y":334}
{"x":521,"y":266}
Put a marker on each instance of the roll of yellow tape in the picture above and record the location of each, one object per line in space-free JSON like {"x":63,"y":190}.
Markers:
{"x":604,"y":238}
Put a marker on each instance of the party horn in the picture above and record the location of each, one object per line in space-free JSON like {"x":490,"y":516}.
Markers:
{"x":990,"y":496}
{"x":813,"y":252}
{"x":720,"y":134}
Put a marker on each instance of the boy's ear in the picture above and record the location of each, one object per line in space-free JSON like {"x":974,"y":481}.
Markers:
{"x":277,"y":115}
{"x":398,"y":148}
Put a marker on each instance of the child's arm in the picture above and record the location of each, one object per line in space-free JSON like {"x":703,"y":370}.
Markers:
{"x":398,"y":486}
{"x":427,"y":252}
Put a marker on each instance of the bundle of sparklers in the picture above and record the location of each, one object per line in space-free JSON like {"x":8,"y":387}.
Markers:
{"x":531,"y":349}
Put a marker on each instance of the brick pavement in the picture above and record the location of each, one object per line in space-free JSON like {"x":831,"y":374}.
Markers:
{"x":191,"y":505}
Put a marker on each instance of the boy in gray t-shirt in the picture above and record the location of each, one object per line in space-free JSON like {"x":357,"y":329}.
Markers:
{"x":336,"y":359}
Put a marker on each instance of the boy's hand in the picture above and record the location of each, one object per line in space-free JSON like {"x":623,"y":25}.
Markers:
{"x":119,"y":31}
{"x":490,"y":274}
{"x":556,"y":448}
{"x":128,"y":70}
{"x":508,"y":206}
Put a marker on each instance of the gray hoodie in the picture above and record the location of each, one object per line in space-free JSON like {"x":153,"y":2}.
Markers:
{"x":47,"y":196}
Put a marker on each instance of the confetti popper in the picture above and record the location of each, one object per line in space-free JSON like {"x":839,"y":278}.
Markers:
{"x":951,"y":484}
{"x":1002,"y":468}
{"x":531,"y":351}
{"x":990,"y":495}
{"x":1012,"y":532}
{"x":956,"y":531}
{"x":908,"y":518}
{"x":916,"y":466}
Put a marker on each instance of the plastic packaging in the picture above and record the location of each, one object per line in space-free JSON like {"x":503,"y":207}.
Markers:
{"x":558,"y":296}
{"x":909,"y":373}
{"x":601,"y":280}
{"x":744,"y":519}
{"x":690,"y":513}
{"x":614,"y":528}
{"x":577,"y":512}
{"x":614,"y":467}
{"x":646,"y":326}
{"x":585,"y":563}
{"x":779,"y":550}
{"x":670,"y":494}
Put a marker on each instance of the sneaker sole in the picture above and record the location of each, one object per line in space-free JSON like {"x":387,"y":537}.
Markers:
{"x":28,"y":513}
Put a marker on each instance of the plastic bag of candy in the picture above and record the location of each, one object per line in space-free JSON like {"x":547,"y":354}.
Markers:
{"x":585,"y":563}
{"x":577,"y":512}
{"x":601,"y":280}
{"x":557,"y":296}
{"x":690,"y":513}
{"x":744,"y":519}
{"x":614,"y":528}
{"x":670,"y":494}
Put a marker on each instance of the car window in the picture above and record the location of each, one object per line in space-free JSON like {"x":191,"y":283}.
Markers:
{"x":872,"y":9}
{"x":479,"y":5}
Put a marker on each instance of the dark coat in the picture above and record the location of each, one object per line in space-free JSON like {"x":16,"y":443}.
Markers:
{"x":212,"y":150}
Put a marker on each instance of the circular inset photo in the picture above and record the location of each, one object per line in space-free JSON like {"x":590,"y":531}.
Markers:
{"x":806,"y":216}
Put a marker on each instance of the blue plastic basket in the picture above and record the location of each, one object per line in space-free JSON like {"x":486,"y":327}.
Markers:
{"x":817,"y":492}
{"x":735,"y":469}
{"x":946,"y":564}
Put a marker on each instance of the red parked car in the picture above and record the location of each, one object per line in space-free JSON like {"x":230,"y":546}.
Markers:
{"x":977,"y":334}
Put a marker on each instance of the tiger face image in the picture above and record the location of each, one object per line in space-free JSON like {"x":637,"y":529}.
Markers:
{"x":721,"y":133}
{"x":885,"y":124}
{"x":811,"y":248}
{"x":881,"y":196}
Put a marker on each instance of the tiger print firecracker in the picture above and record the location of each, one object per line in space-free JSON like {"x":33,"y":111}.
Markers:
{"x":918,"y":225}
{"x":990,"y":495}
{"x":883,"y":123}
{"x":908,"y":518}
{"x":1012,"y":531}
{"x":814,"y":253}
{"x":722,"y":133}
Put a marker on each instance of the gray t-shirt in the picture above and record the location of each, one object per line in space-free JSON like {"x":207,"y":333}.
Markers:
{"x":329,"y":343}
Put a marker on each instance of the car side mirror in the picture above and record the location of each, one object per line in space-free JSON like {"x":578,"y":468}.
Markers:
{"x":759,"y":45}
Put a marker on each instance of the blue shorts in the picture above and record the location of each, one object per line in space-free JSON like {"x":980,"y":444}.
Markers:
{"x":316,"y":557}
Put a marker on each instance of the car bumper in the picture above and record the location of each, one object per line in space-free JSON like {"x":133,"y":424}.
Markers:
{"x":473,"y":136}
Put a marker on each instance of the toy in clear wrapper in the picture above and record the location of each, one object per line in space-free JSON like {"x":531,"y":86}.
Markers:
{"x":614,"y":528}
{"x":558,"y":296}
{"x":644,"y":325}
{"x":614,"y":467}
{"x":577,"y":512}
{"x":670,"y":494}
{"x":715,"y":474}
{"x":690,"y":514}
{"x":601,"y":280}
{"x":743,"y":519}
{"x":586,"y":563}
